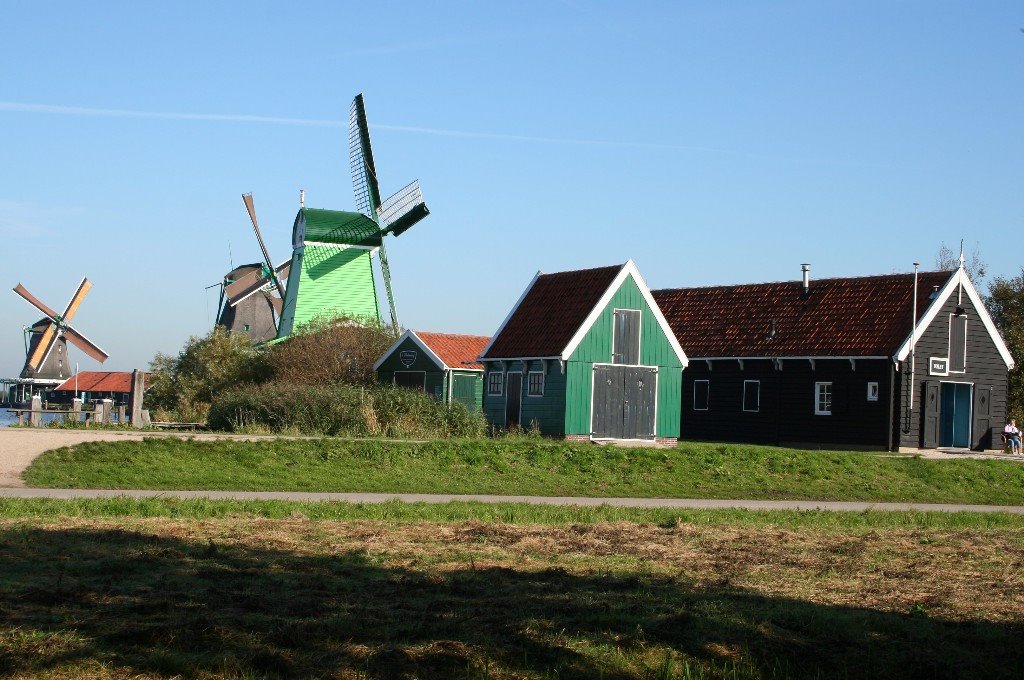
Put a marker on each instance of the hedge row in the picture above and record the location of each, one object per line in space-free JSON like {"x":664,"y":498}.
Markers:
{"x":341,"y":410}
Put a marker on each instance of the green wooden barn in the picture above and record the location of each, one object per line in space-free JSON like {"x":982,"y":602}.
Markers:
{"x":586,"y":354}
{"x":442,"y":364}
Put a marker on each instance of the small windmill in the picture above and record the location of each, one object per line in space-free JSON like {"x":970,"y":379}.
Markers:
{"x":252,"y":295}
{"x":331,"y":271}
{"x":56,"y":332}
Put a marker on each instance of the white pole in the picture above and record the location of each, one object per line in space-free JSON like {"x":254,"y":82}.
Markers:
{"x":913,"y":339}
{"x":77,"y":395}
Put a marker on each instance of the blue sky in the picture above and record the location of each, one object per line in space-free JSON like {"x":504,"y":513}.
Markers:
{"x":711,"y":142}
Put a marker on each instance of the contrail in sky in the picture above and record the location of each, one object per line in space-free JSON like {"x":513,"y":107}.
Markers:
{"x":23,"y":107}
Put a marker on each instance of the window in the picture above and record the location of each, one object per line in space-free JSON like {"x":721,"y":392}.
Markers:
{"x":494,"y":380}
{"x":752,"y":395}
{"x":822,"y":398}
{"x":701,"y":389}
{"x":535,"y":384}
{"x":957,"y":343}
{"x":872,"y":391}
{"x":626,"y":337}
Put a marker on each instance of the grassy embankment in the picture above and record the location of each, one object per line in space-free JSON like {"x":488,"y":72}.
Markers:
{"x":160,"y":588}
{"x":525,"y":466}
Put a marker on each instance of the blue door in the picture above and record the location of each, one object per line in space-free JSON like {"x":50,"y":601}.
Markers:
{"x":956,"y":415}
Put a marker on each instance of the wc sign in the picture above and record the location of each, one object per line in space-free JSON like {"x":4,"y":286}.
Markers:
{"x":938,"y":366}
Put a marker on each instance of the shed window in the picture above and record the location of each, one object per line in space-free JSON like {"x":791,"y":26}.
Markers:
{"x":494,"y":380}
{"x":957,"y":343}
{"x":822,"y":398}
{"x":701,"y":389}
{"x":626,"y":337}
{"x":872,"y":391}
{"x":752,"y":395}
{"x":535,"y":384}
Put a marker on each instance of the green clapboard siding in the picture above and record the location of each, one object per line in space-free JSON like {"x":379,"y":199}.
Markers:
{"x":655,"y":350}
{"x":329,"y":281}
{"x":467,"y":389}
{"x":547,"y":411}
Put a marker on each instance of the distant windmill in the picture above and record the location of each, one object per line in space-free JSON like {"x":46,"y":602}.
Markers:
{"x":331,"y":270}
{"x":252,"y":294}
{"x":55,"y":331}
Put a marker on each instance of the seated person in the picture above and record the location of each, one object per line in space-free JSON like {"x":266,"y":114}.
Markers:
{"x":1012,"y":435}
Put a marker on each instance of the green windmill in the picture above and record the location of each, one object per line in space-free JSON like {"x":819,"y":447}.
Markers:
{"x":331,"y":271}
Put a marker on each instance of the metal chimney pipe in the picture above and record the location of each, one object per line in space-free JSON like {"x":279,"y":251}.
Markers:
{"x":302,"y":198}
{"x":805,"y":269}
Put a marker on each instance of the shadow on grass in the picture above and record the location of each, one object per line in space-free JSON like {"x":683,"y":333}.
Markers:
{"x":159,"y":605}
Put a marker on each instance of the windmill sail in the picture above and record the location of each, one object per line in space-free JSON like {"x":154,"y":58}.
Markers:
{"x":360,"y":158}
{"x":402,"y":210}
{"x":60,"y":327}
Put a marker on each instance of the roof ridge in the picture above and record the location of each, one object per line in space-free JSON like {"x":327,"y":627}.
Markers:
{"x":797,"y":281}
{"x":616,"y":267}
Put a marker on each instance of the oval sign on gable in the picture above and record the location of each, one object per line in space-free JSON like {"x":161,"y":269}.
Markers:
{"x":407,"y":357}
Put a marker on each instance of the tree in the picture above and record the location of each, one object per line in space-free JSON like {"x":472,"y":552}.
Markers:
{"x":184,"y":385}
{"x":330,"y":351}
{"x":1006,"y":305}
{"x":947,"y":258}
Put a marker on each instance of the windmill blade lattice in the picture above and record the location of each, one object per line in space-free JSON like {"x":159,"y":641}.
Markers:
{"x":395,"y":215}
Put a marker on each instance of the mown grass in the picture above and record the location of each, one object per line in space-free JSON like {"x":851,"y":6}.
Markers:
{"x":241,"y":596}
{"x":527,"y":466}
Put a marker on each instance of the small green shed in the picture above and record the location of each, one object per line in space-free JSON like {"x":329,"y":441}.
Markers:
{"x":442,"y":364}
{"x":588,"y":355}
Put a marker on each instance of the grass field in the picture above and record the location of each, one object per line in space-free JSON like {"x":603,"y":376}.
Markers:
{"x":163,"y":588}
{"x":525,"y":466}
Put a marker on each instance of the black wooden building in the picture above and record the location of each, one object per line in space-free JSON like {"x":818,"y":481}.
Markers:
{"x":839,"y":362}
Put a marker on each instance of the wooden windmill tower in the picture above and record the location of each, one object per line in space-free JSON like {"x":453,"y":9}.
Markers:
{"x":331,"y":272}
{"x":46,"y":355}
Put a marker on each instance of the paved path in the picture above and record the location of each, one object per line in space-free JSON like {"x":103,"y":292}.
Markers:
{"x":678,"y":503}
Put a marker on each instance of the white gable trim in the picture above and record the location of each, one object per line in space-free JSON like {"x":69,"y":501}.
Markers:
{"x":411,"y":335}
{"x":959,"y":278}
{"x":628,"y":269}
{"x":504,"y":323}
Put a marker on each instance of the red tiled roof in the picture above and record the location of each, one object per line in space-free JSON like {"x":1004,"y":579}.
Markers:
{"x":456,"y":351}
{"x":862,"y":316}
{"x":99,"y":381}
{"x":551,"y":313}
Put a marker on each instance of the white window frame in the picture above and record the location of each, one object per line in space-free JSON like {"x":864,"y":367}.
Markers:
{"x":528,"y":383}
{"x":491,"y":382}
{"x":873,"y":394}
{"x":743,"y":405}
{"x":949,"y":345}
{"x":817,"y":398}
{"x":707,"y":402}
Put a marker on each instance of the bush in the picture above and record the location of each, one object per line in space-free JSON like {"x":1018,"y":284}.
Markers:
{"x":341,"y":410}
{"x":182,"y":386}
{"x":331,"y":351}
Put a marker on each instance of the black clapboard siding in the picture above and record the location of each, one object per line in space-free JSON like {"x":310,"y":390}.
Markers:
{"x":787,"y":402}
{"x":985,"y":367}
